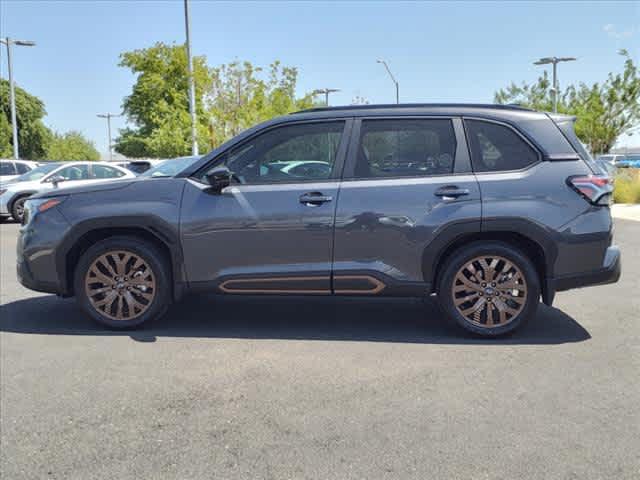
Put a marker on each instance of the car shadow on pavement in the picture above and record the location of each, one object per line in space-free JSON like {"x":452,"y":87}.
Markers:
{"x":287,"y":318}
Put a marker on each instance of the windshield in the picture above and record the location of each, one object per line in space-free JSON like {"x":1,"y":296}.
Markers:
{"x":37,"y":173}
{"x":169,"y":168}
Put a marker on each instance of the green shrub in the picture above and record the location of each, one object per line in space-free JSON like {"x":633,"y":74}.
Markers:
{"x":627,"y":186}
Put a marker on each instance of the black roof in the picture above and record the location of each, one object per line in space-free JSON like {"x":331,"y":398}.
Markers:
{"x":400,"y":106}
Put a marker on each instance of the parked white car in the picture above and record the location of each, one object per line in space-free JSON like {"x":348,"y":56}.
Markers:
{"x":10,"y":169}
{"x":51,"y":175}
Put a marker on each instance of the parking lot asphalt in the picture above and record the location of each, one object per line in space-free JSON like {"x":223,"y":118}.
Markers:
{"x":320,"y":388}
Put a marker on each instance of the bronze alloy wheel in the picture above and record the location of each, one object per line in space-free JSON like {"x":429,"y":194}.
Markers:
{"x":120,"y":285}
{"x":489,"y":291}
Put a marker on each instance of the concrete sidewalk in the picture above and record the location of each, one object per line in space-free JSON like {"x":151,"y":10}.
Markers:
{"x":626,"y":211}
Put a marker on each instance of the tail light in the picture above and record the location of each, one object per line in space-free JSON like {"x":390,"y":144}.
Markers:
{"x":596,"y":189}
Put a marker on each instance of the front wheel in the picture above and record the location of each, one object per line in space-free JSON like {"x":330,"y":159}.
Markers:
{"x":17,"y":209}
{"x":489,"y":288}
{"x":123,"y":282}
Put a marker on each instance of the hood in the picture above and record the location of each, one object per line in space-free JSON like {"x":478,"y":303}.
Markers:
{"x":19,"y":186}
{"x":94,"y":187}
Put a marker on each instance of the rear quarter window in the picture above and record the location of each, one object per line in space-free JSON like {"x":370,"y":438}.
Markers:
{"x":497,"y":148}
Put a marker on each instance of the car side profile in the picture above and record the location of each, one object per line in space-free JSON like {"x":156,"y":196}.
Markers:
{"x":49,"y":176}
{"x":10,"y":169}
{"x":491,"y":208}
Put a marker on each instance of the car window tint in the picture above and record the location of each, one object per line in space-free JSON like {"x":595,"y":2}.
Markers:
{"x":22,"y":168}
{"x":405,"y":148}
{"x":7,"y":168}
{"x":496,"y":147}
{"x":103,"y":171}
{"x":74,"y":172}
{"x":292,"y":153}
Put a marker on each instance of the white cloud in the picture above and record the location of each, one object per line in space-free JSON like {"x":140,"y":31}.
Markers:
{"x":611,"y":30}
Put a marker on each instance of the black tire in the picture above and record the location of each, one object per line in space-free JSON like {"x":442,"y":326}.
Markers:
{"x":461,"y":257}
{"x":160,"y":273}
{"x":17,"y":208}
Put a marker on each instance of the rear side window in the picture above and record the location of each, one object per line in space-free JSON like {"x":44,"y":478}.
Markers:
{"x":496,"y":148}
{"x":102,"y":171}
{"x":22,"y":168}
{"x":7,"y":168}
{"x":405,"y":148}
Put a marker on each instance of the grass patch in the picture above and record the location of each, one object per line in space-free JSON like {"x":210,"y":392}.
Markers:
{"x":627,"y":186}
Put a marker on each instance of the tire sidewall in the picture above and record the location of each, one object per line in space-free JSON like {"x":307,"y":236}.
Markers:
{"x":16,"y":217}
{"x":150,"y":254}
{"x":464,"y":255}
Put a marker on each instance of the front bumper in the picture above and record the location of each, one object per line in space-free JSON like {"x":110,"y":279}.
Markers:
{"x":609,"y":273}
{"x":36,"y":266}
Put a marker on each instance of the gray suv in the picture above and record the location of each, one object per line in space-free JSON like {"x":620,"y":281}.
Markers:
{"x":491,"y":208}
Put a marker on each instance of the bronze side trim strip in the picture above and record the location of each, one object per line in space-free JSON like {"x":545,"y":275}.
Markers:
{"x":224,"y":286}
{"x":378,"y":286}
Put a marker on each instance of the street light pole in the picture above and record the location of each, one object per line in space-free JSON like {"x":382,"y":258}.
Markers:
{"x":109,"y":116}
{"x":12,"y":94}
{"x":325,"y":92}
{"x":393,"y":79}
{"x":192,"y":90}
{"x":554,"y":61}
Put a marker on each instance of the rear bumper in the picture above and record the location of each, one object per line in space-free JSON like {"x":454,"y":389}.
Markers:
{"x":609,"y":273}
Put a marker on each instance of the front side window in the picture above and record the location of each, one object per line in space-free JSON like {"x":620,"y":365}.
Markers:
{"x":103,"y":171}
{"x":7,"y":168}
{"x":74,"y":172}
{"x":496,"y":147}
{"x":405,"y":148}
{"x":288,"y":154}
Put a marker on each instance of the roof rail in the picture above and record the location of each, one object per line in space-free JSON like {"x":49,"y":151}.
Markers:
{"x":496,"y":106}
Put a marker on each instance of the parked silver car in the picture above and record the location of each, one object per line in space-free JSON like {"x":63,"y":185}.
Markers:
{"x":48,"y":176}
{"x":10,"y":169}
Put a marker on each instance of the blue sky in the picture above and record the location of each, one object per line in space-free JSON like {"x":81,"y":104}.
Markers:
{"x":439,"y":51}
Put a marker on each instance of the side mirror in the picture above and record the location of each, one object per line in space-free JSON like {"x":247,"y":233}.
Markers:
{"x":56,"y":179}
{"x":219,"y":178}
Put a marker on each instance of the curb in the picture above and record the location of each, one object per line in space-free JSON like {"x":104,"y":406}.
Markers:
{"x":626,"y":211}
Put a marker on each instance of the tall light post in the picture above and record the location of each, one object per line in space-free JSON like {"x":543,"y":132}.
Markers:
{"x":192,"y":89}
{"x":12,"y":94}
{"x":392,"y":78}
{"x":554,"y":61}
{"x":109,"y":116}
{"x":325,"y":92}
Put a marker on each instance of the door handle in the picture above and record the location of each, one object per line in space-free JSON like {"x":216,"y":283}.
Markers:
{"x":313,"y":199}
{"x":451,"y":192}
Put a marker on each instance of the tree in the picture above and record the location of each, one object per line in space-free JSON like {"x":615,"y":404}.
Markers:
{"x":240,"y":96}
{"x":159,"y":104}
{"x":33,"y":135}
{"x":71,"y":146}
{"x":604,"y":111}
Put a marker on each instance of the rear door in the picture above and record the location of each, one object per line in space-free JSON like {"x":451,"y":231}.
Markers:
{"x":407,"y":190}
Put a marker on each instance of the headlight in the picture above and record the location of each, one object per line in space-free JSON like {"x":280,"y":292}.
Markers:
{"x":2,"y":190}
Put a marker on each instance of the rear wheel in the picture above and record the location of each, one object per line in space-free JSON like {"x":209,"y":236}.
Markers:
{"x":123,"y":282}
{"x":489,"y":288}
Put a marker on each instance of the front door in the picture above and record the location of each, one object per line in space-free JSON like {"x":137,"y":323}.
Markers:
{"x":408,"y":190}
{"x":271,"y":231}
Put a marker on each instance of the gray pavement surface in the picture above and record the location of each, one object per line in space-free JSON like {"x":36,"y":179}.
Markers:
{"x":313,"y":388}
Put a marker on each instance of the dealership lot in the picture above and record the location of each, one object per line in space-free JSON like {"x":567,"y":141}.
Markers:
{"x":320,"y":388}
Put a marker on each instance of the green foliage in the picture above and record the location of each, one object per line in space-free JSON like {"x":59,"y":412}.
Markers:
{"x":71,"y":146}
{"x":33,"y":135}
{"x":627,"y":186}
{"x":240,"y":97}
{"x":159,"y":103}
{"x":604,"y":110}
{"x":229,"y":99}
